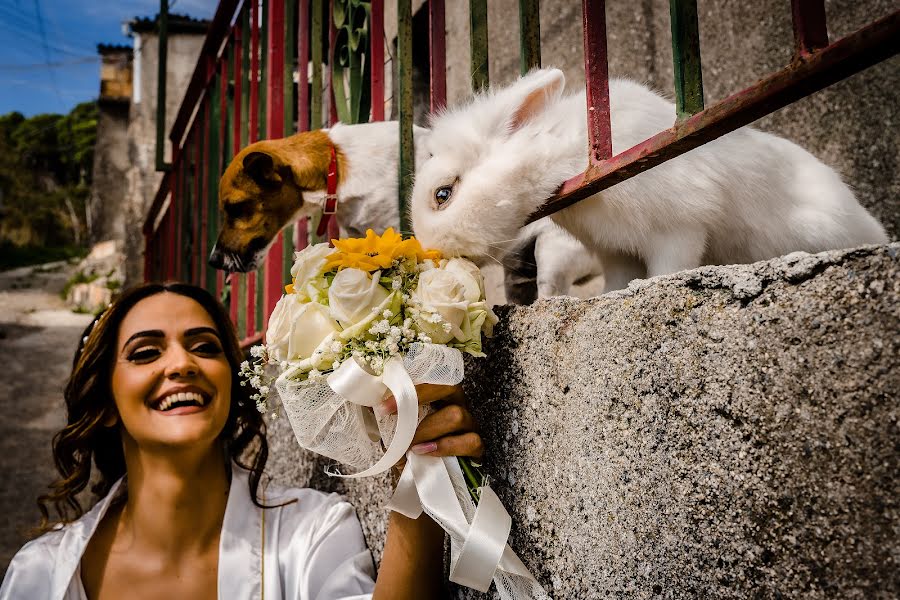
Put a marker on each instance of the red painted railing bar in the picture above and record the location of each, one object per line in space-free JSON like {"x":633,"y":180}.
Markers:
{"x":177,"y":200}
{"x":274,"y":129}
{"x":204,"y":191}
{"x":253,"y":123}
{"x":169,"y":238}
{"x":303,"y":38}
{"x":198,"y":257}
{"x":810,"y":31}
{"x":870,"y":45}
{"x":596,"y":80}
{"x":217,"y":161}
{"x":238,"y":89}
{"x":438,"y":54}
{"x":376,"y":52}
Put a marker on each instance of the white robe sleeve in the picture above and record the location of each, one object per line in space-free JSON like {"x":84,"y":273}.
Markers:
{"x":322,"y":552}
{"x":30,"y":574}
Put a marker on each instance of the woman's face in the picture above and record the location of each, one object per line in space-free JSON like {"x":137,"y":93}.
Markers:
{"x":171,"y":380}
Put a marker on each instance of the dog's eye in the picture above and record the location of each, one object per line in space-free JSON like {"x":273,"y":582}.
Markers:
{"x":239,"y":210}
{"x":442,"y":195}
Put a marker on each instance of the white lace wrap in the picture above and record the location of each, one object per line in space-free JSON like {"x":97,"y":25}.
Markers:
{"x":331,"y":418}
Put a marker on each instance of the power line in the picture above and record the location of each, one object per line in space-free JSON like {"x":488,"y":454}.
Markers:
{"x":53,"y":65}
{"x":40,"y":20}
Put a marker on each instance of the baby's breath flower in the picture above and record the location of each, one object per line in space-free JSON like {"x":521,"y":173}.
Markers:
{"x":388,"y":313}
{"x":396,"y":284}
{"x":336,"y":346}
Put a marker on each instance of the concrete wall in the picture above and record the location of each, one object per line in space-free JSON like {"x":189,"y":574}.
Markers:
{"x":727,"y":432}
{"x":142,"y":180}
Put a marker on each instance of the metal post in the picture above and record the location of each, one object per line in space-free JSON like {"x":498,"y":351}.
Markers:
{"x":810,"y":31}
{"x":376,"y":51}
{"x":596,"y":80}
{"x":478,"y":40}
{"x":437,"y":54}
{"x":407,"y":150}
{"x":529,"y":35}
{"x":686,"y":57}
{"x":161,"y":164}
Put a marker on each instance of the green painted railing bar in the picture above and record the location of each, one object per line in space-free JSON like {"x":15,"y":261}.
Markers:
{"x":317,"y":31}
{"x":529,"y":35}
{"x":290,"y":103}
{"x":315,"y":57}
{"x":686,"y":55}
{"x":245,"y":88}
{"x":478,"y":41}
{"x":407,"y":151}
{"x":212,"y":173}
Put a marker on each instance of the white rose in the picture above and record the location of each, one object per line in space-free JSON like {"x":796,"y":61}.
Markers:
{"x":469,"y":275}
{"x":308,"y":263}
{"x":442,"y":292}
{"x":353,"y":294}
{"x":297,"y":328}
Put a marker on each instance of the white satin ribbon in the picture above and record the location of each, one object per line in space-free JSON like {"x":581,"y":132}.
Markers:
{"x":425,"y":482}
{"x":356,"y":385}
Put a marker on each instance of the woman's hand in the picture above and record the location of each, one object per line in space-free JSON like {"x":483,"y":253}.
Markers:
{"x":448,"y":431}
{"x":412,"y":565}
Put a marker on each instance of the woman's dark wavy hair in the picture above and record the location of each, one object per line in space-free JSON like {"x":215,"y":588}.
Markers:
{"x":89,"y":400}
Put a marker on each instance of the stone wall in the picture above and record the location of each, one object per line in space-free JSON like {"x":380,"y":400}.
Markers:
{"x":726,"y":432}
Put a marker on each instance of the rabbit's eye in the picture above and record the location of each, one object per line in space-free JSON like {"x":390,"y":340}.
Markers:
{"x":442,"y":195}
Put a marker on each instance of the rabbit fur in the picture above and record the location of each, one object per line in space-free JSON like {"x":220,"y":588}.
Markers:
{"x":744,"y":197}
{"x":368,"y":198}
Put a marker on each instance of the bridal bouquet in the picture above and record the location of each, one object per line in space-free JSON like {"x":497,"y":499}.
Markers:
{"x":375,"y":315}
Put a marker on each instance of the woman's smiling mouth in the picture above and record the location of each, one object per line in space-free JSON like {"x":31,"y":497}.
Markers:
{"x":182,"y":402}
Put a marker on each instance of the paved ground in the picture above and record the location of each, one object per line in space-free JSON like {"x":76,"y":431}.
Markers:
{"x":38,"y":336}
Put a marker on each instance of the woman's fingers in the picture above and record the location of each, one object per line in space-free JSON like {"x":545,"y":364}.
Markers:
{"x":427,"y":393}
{"x":444,"y":421}
{"x":465,"y":444}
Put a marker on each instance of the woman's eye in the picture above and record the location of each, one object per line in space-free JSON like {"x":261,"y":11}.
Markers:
{"x":143,"y":354}
{"x":207,"y":348}
{"x":442,"y":194}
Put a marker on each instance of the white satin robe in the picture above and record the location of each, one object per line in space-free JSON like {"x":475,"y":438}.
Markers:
{"x":311,"y":549}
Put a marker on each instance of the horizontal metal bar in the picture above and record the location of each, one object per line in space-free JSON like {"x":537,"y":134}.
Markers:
{"x":807,"y":74}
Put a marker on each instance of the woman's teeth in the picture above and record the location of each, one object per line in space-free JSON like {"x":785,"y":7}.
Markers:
{"x":182,"y":398}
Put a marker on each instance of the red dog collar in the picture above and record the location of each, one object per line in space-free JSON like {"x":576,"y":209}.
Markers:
{"x":331,"y":200}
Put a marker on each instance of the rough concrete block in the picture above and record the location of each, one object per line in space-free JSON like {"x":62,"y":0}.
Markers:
{"x":726,"y":432}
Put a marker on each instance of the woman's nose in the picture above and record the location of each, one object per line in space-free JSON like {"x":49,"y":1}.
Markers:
{"x":181,"y":363}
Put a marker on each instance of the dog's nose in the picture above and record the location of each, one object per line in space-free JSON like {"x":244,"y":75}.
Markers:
{"x":216,"y":258}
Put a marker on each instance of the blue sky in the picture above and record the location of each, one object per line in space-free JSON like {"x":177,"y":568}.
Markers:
{"x":52,"y":77}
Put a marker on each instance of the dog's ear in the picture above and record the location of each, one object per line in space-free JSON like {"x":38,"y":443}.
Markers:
{"x":260,"y":167}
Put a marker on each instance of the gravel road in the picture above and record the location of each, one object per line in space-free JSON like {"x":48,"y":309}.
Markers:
{"x":38,"y":336}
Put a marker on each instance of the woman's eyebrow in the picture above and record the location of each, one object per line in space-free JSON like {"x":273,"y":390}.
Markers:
{"x":198,"y":330}
{"x":153,"y":333}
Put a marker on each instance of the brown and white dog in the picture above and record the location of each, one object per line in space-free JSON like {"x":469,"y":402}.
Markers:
{"x":271,"y":183}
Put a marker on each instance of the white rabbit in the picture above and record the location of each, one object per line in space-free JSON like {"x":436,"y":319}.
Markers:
{"x":743,"y":197}
{"x":368,"y":198}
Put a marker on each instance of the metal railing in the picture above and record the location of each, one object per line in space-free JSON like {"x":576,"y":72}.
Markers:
{"x":265,"y":71}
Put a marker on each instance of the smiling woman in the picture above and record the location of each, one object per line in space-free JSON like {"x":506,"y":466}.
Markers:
{"x":155,"y":402}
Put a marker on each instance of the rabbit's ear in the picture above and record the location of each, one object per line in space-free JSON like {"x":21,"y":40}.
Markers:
{"x":533,"y":94}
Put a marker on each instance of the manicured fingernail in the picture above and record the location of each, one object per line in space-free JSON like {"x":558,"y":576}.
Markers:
{"x":424,"y":448}
{"x":388,"y":407}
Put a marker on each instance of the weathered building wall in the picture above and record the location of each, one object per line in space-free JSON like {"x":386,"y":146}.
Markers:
{"x":108,"y":192}
{"x":726,"y":432}
{"x":142,"y":179}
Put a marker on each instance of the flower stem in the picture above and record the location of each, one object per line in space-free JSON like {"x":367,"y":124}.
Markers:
{"x":474,"y":476}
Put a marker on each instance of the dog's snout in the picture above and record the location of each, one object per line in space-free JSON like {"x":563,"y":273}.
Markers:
{"x":216,"y":257}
